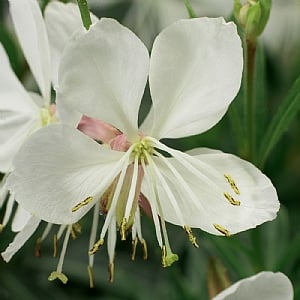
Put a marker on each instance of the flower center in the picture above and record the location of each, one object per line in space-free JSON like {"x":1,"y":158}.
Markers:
{"x":141,"y":149}
{"x":48,"y":115}
{"x":129,"y":194}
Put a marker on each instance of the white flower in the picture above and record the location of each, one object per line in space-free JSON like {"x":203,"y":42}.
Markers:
{"x":262,"y":286}
{"x":195,"y":72}
{"x":148,"y":17}
{"x":23,"y":112}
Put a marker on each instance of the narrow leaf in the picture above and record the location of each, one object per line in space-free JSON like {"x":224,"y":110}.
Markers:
{"x":260,"y":96}
{"x":281,"y":121}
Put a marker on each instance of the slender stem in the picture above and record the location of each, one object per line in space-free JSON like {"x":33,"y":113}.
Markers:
{"x":190,"y":9}
{"x":85,"y":13}
{"x":250,"y":104}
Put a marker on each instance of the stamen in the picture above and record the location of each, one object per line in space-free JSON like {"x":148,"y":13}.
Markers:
{"x":163,"y":256}
{"x":41,"y":238}
{"x":111,"y":240}
{"x":86,"y":201}
{"x":144,"y":248}
{"x":3,"y":190}
{"x":96,"y":247}
{"x":192,"y":238}
{"x":55,"y":245}
{"x":37,"y":250}
{"x":231,"y":200}
{"x":114,"y":201}
{"x":123,"y":229}
{"x":167,"y":259}
{"x":166,"y":187}
{"x":8,"y":210}
{"x":91,"y":277}
{"x":181,"y":182}
{"x":61,"y":231}
{"x":232,"y":184}
{"x":58,"y":273}
{"x":132,"y":190}
{"x":222,"y":230}
{"x":76,"y":229}
{"x":134,"y":244}
{"x":189,"y":163}
{"x":93,"y":233}
{"x":152,"y":205}
{"x":111,"y":272}
{"x":46,"y":231}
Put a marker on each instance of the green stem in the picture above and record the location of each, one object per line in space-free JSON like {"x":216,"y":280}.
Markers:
{"x":250,"y":104}
{"x":190,"y":9}
{"x":85,"y":14}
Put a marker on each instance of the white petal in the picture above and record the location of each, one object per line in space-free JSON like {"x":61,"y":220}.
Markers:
{"x":66,"y":114}
{"x":20,"y":239}
{"x":59,"y":167}
{"x":30,"y":28}
{"x":195,"y":72}
{"x":108,"y":79}
{"x":8,"y":210}
{"x":201,"y":198}
{"x":263,"y":286}
{"x":62,"y":20}
{"x":20,"y":219}
{"x":18,"y":113}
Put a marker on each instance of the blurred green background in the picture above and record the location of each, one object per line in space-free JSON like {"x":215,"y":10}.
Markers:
{"x":273,"y":246}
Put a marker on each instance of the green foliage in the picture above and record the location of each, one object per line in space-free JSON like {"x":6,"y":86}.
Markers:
{"x":281,"y":121}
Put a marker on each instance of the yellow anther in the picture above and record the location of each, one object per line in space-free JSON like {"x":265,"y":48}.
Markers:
{"x":76,"y":229}
{"x":111,"y":272}
{"x":37,"y":250}
{"x":123,"y":229}
{"x":54,"y":245}
{"x":222,"y":230}
{"x":145,"y":249}
{"x":96,"y":247}
{"x":91,"y":277}
{"x":1,"y":227}
{"x":86,"y":201}
{"x":232,"y":184}
{"x":57,"y":275}
{"x":192,"y":238}
{"x":134,"y":244}
{"x":231,"y":200}
{"x":163,"y":256}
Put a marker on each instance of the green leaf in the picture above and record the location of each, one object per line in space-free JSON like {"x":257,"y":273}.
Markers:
{"x":260,"y":95}
{"x":289,"y":258}
{"x":270,"y":231}
{"x":233,"y":253}
{"x":281,"y":121}
{"x":235,"y":114}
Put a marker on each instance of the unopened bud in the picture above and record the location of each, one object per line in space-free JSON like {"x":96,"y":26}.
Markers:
{"x":252,"y":16}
